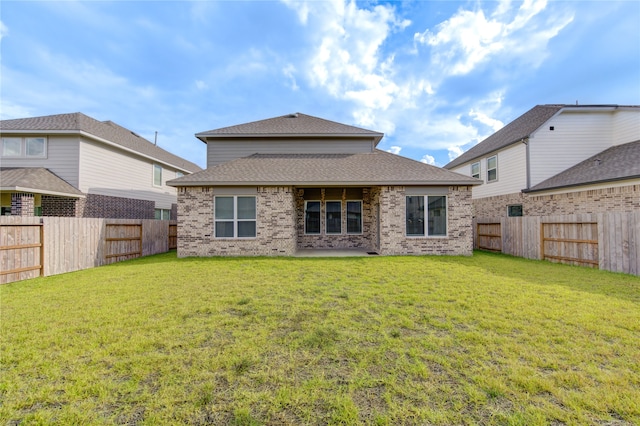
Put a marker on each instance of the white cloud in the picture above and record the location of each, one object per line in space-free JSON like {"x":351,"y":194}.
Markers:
{"x":454,"y":152}
{"x":485,"y":119}
{"x":289,"y":71}
{"x":395,"y":149}
{"x":4,"y":31}
{"x":428,"y":159}
{"x":470,"y":38}
{"x":201,"y":85}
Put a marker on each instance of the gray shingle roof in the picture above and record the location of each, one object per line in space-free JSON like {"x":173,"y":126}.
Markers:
{"x":291,"y":125}
{"x":616,"y":163}
{"x":108,"y":130}
{"x":520,"y":128}
{"x":36,"y":179}
{"x":374,"y":168}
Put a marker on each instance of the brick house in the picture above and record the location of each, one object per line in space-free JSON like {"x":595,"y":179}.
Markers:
{"x":74,"y":165}
{"x":558,"y":160}
{"x":295,"y":182}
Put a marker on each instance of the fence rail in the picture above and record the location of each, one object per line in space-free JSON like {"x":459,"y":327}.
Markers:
{"x":609,"y":241}
{"x":33,"y":246}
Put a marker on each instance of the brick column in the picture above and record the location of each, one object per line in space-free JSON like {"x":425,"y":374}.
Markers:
{"x":22,"y":204}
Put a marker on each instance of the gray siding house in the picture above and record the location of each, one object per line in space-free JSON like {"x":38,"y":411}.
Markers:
{"x":74,"y":165}
{"x":295,"y":182}
{"x":558,"y":159}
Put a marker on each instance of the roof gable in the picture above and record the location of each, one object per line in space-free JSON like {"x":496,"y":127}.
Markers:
{"x":290,"y":125}
{"x":106,"y":130}
{"x":519,"y":129}
{"x":616,"y":163}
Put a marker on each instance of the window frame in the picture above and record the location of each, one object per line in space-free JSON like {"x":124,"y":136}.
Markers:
{"x":235,"y":220}
{"x":509,"y":206}
{"x":495,"y":169}
{"x":327,"y":219}
{"x":157,"y":166}
{"x":23,"y":142}
{"x":346,"y":214}
{"x":425,"y":216}
{"x":476,"y":175}
{"x":306,"y":203}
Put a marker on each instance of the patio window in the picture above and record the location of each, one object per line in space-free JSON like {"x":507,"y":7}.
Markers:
{"x":426,"y":215}
{"x":235,"y":217}
{"x":333,"y":217}
{"x":312,"y":217}
{"x":354,"y":217}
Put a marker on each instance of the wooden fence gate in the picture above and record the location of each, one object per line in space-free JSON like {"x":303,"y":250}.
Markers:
{"x":573,"y":243}
{"x":21,"y":251}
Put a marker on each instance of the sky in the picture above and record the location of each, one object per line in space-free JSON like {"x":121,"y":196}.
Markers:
{"x":436,"y":77}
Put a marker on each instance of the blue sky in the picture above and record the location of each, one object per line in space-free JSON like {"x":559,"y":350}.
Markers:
{"x":435,"y":77}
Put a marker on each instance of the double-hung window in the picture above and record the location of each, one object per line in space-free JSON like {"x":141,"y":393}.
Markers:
{"x":157,"y":175}
{"x":235,"y":216}
{"x":492,"y":168}
{"x":30,"y":147}
{"x":426,"y":215}
{"x":475,"y":170}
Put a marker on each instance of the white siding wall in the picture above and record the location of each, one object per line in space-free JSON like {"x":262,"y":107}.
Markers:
{"x":225,"y":150}
{"x":106,"y":170}
{"x":576,"y":137}
{"x":62,"y":158}
{"x":512,"y":176}
{"x":626,"y":126}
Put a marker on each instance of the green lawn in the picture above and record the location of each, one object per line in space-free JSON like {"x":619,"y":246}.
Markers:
{"x":487,"y":339}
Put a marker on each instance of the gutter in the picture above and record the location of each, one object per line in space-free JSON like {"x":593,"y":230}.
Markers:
{"x":573,"y":185}
{"x":324,"y":183}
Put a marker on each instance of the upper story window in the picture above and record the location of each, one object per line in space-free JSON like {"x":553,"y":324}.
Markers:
{"x":475,"y":170}
{"x":27,"y":147}
{"x":157,"y":175}
{"x":235,"y":216}
{"x":426,"y":215}
{"x":492,"y":168}
{"x":179,"y":174}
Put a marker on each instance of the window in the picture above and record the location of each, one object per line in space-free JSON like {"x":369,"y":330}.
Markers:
{"x":163,"y":214}
{"x":514,"y":210}
{"x":157,"y":175}
{"x":492,"y":168}
{"x":475,"y":170}
{"x":24,"y":147}
{"x":436,"y":207}
{"x":333,"y":217}
{"x":235,"y":217}
{"x":354,"y":217}
{"x":312,"y":217}
{"x":179,"y":174}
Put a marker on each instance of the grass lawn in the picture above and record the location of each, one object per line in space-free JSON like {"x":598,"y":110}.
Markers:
{"x":488,"y":339}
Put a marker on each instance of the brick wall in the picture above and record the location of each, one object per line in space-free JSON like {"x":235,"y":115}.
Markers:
{"x":365,"y":240}
{"x":22,"y":204}
{"x":616,"y":199}
{"x":459,"y":239}
{"x":275,"y":232}
{"x":60,"y":206}
{"x":118,"y":207}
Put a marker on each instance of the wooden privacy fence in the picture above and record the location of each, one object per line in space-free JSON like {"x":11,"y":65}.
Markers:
{"x":34,"y":246}
{"x":609,"y":241}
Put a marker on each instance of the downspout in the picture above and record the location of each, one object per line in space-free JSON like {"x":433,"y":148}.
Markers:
{"x":525,"y":141}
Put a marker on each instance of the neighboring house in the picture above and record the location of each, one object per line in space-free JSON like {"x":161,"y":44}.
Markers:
{"x":558,"y":159}
{"x":74,"y":165}
{"x":294,"y":182}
